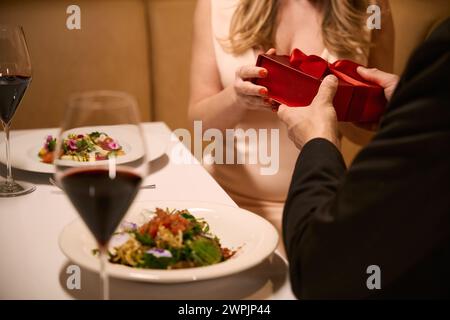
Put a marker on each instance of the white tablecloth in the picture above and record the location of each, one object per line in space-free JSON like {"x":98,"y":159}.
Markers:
{"x":33,"y":267}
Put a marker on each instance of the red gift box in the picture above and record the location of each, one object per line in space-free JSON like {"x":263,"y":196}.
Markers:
{"x":294,"y":81}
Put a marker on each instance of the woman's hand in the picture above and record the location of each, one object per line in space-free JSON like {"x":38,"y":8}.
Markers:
{"x":248,"y":94}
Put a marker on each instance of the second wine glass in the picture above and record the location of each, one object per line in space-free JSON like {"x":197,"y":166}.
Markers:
{"x":15,"y":76}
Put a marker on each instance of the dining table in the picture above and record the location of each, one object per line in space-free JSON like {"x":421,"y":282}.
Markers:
{"x":32,"y":266}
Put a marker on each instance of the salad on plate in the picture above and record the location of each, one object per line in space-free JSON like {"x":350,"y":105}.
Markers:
{"x":93,"y":146}
{"x":170,"y":239}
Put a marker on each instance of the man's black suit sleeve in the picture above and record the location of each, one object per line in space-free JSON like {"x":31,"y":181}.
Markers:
{"x":391,"y":208}
{"x":316,"y":177}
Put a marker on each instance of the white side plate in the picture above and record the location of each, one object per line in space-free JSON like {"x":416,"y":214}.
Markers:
{"x":25,"y":148}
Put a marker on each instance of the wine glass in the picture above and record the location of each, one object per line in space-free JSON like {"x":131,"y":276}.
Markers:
{"x":15,"y":76}
{"x":100,"y":162}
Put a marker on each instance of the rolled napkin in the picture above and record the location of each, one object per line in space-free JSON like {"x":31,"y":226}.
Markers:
{"x":294,"y":81}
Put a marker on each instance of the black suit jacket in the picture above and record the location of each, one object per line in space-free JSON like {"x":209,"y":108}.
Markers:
{"x":391,"y":208}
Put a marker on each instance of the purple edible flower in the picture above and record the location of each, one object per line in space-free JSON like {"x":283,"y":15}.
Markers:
{"x":159,"y":253}
{"x":113,"y":145}
{"x":49,"y":138}
{"x":72,"y":144}
{"x":128,"y":226}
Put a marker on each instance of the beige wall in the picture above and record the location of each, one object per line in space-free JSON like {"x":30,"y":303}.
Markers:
{"x":171,"y":34}
{"x":413,"y":22}
{"x":138,"y":46}
{"x":109,"y":52}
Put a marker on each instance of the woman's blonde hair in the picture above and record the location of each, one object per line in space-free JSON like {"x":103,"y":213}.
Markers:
{"x":253,"y":25}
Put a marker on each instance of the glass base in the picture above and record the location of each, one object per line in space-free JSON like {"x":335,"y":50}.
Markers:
{"x":16,"y":188}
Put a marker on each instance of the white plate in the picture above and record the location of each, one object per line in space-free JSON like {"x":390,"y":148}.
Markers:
{"x":25,"y":148}
{"x":254,"y":237}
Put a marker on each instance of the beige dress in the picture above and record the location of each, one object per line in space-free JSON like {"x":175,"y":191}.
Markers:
{"x":262,"y":194}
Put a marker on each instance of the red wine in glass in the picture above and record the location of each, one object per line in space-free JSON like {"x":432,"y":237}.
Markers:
{"x":101,"y":197}
{"x":15,"y":76}
{"x":12,"y":89}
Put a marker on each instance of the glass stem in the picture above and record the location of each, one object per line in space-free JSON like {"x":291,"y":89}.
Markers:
{"x":104,"y":281}
{"x":9,"y":178}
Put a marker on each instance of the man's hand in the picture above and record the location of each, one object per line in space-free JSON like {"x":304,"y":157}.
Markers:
{"x":387,"y":81}
{"x":317,"y":120}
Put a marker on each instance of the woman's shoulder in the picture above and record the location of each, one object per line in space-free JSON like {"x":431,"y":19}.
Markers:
{"x":224,"y":4}
{"x":221,"y":14}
